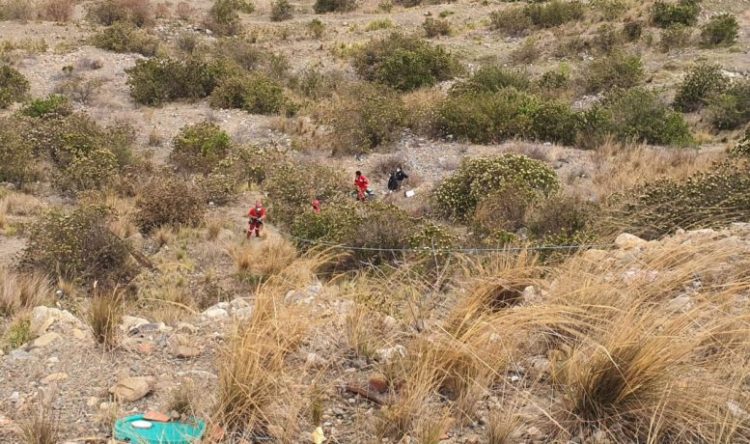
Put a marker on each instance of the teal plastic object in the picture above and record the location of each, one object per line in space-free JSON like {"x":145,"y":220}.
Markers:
{"x":160,"y":432}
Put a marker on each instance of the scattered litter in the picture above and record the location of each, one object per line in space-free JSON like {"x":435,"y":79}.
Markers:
{"x":137,"y":429}
{"x":410,"y":193}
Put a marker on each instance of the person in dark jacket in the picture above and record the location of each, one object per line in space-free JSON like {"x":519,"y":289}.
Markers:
{"x":394,"y":181}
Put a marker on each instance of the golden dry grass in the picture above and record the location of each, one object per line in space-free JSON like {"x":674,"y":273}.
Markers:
{"x":22,"y":291}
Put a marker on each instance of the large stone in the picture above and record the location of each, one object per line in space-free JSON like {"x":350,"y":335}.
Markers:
{"x":45,"y":340}
{"x":131,"y":322}
{"x":54,"y":377}
{"x":628,"y":241}
{"x":42,"y":318}
{"x":215,"y":313}
{"x":132,"y":388}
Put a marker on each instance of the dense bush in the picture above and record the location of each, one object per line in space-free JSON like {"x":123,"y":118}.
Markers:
{"x":517,"y":21}
{"x":93,"y":170}
{"x":489,"y":79}
{"x":559,"y":216}
{"x":13,"y":86}
{"x":720,"y":30}
{"x":710,"y":199}
{"x":200,"y":147}
{"x":675,"y":37}
{"x":108,"y":12}
{"x":281,"y":10}
{"x":53,"y":106}
{"x":508,"y":113}
{"x":405,"y":62}
{"x":169,"y":201}
{"x":223,"y":17}
{"x":323,"y":6}
{"x":17,"y":162}
{"x":436,"y":27}
{"x":78,"y":246}
{"x":124,"y":37}
{"x":219,"y":187}
{"x":366,"y":118}
{"x":683,"y":12}
{"x":731,"y":108}
{"x":459,"y":194}
{"x":702,"y":82}
{"x":501,"y":213}
{"x":291,"y":188}
{"x":254,"y":93}
{"x":617,"y":70}
{"x":632,"y":30}
{"x":638,"y":115}
{"x":742,"y":149}
{"x":159,"y":80}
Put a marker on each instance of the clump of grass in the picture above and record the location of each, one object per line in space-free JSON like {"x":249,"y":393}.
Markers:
{"x":22,"y":291}
{"x":18,"y":332}
{"x":40,"y":427}
{"x":103,"y":316}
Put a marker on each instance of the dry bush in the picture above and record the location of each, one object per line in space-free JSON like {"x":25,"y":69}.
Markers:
{"x":263,"y":259}
{"x":103,"y":317}
{"x":169,"y":201}
{"x":40,"y":426}
{"x":107,"y":12}
{"x":185,"y":11}
{"x":18,"y":204}
{"x":22,"y":291}
{"x":58,"y":10}
{"x":22,"y":10}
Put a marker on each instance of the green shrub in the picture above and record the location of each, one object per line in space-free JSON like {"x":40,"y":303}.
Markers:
{"x":17,"y":162}
{"x":200,"y":147}
{"x":638,"y":115}
{"x":632,"y":30}
{"x":377,"y":25}
{"x":17,"y":334}
{"x":500,"y":213}
{"x":13,"y":86}
{"x":731,"y":109}
{"x":554,"y":79}
{"x":78,"y":246}
{"x":53,"y":106}
{"x":281,"y":10}
{"x":169,"y":201}
{"x":606,"y":39}
{"x":511,"y":21}
{"x":675,"y":36}
{"x":123,"y":37}
{"x":254,"y":93}
{"x":219,"y":187}
{"x":553,"y":13}
{"x":721,"y":29}
{"x":492,"y":79}
{"x":618,"y":70}
{"x":684,"y":12}
{"x":366,"y":118}
{"x":324,"y":6}
{"x":316,"y":28}
{"x":559,"y":215}
{"x":436,"y":27}
{"x":459,"y":194}
{"x":508,"y":113}
{"x":291,"y":188}
{"x":223,"y":17}
{"x":94,"y":170}
{"x":159,"y":80}
{"x":702,"y":82}
{"x":108,"y":12}
{"x":709,"y":199}
{"x":742,"y":149}
{"x":404,"y":62}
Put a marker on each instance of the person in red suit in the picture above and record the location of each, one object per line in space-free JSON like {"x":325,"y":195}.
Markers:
{"x":362,"y":184}
{"x":316,"y":206}
{"x":256,"y":218}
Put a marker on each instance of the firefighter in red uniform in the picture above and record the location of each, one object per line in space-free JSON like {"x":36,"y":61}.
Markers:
{"x":256,"y":218}
{"x":316,"y":206}
{"x":362,"y":184}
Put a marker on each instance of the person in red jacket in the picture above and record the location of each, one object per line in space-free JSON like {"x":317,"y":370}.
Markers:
{"x":256,"y":218}
{"x":316,"y":206}
{"x":362,"y":184}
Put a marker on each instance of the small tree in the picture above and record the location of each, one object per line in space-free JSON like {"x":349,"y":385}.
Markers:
{"x":200,"y":147}
{"x":720,"y":30}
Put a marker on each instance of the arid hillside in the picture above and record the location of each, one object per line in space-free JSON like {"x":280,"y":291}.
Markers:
{"x":566,"y":262}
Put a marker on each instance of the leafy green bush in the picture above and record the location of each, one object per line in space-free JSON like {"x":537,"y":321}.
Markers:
{"x":436,"y":27}
{"x":517,"y":21}
{"x":108,"y":12}
{"x":124,"y":37}
{"x":639,"y":115}
{"x":13,"y":86}
{"x":17,"y":162}
{"x":709,"y":199}
{"x":223,"y":17}
{"x":492,"y":79}
{"x":78,"y":246}
{"x":617,"y":70}
{"x":404,"y":62}
{"x":684,"y":12}
{"x":254,"y":93}
{"x":219,"y":187}
{"x":508,"y":113}
{"x":281,"y":10}
{"x":94,"y":170}
{"x":291,"y":188}
{"x":459,"y":194}
{"x":324,"y":6}
{"x":200,"y":147}
{"x":53,"y":106}
{"x":675,"y":37}
{"x":720,"y":30}
{"x":365,"y":118}
{"x":511,"y":21}
{"x":159,"y":80}
{"x":731,"y":109}
{"x":702,"y":82}
{"x":316,"y":28}
{"x":169,"y":201}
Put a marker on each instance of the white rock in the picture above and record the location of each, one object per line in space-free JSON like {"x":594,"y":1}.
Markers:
{"x":243,"y":313}
{"x":215,"y":313}
{"x":132,"y":389}
{"x":735,"y":409}
{"x":388,"y":354}
{"x":131,"y":322}
{"x":628,"y":241}
{"x":45,"y":340}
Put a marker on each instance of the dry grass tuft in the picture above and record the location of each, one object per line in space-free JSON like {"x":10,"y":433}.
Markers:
{"x":263,"y":259}
{"x":40,"y":427}
{"x":103,"y":316}
{"x":22,"y":291}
